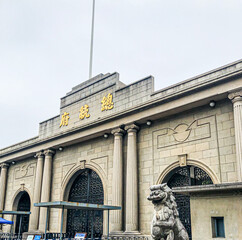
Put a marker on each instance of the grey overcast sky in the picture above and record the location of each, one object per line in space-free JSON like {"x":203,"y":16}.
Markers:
{"x":44,"y":49}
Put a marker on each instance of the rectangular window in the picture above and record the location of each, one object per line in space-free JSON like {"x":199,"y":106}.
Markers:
{"x":218,"y":227}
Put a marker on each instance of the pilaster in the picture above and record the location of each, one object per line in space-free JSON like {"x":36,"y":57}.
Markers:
{"x":236,"y":98}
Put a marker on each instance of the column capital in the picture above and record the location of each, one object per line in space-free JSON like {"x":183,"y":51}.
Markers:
{"x":4,"y":165}
{"x":118,"y":132}
{"x":132,"y":128}
{"x":235,"y":96}
{"x":39,"y":154}
{"x":49,"y":152}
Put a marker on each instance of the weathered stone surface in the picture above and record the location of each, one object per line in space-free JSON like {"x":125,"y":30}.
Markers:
{"x":183,"y":124}
{"x":166,"y":224}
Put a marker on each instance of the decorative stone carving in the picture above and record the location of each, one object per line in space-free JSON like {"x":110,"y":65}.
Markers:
{"x":25,"y":170}
{"x":22,"y":187}
{"x":49,"y":152}
{"x":132,"y":128}
{"x":198,"y":129}
{"x":82,"y":164}
{"x":235,"y":96}
{"x":118,"y":132}
{"x":166,"y":224}
{"x":182,"y":160}
{"x":4,"y":165}
{"x":39,"y":154}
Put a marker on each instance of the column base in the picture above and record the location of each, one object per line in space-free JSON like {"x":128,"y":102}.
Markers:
{"x":131,"y":233}
{"x":35,"y":231}
{"x":116,"y":233}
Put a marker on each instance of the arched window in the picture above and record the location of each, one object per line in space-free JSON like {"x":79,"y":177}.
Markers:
{"x":87,"y":188}
{"x":186,"y":176}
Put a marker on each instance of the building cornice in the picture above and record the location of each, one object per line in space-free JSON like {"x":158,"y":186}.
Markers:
{"x":207,"y":78}
{"x":157,"y":105}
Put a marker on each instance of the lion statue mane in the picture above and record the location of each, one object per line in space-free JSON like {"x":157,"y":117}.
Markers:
{"x":166,"y":224}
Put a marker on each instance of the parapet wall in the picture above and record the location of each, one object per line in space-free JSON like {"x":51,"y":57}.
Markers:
{"x":90,"y":95}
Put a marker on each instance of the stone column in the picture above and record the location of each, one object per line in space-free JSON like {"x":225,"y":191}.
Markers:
{"x":46,"y":187}
{"x":3,"y":183}
{"x":132,"y":181}
{"x":117,"y":184}
{"x":34,"y":217}
{"x":236,"y":98}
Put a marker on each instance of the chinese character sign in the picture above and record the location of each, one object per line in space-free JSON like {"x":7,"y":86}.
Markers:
{"x":84,"y":112}
{"x":107,"y":102}
{"x":64,"y":119}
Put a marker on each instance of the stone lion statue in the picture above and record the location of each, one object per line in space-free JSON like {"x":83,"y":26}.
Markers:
{"x":166,"y":224}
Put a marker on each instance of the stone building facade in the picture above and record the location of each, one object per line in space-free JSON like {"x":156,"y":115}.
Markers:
{"x":112,"y":141}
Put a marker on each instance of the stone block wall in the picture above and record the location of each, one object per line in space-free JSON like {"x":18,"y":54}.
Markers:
{"x":124,"y":98}
{"x":88,"y":90}
{"x":205,"y":134}
{"x":96,"y":154}
{"x":21,"y":177}
{"x":203,"y":208}
{"x":146,"y":177}
{"x":134,"y":94}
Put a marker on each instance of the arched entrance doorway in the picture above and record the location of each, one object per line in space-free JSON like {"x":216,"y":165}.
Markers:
{"x":23,"y":205}
{"x":186,"y":176}
{"x":86,"y":188}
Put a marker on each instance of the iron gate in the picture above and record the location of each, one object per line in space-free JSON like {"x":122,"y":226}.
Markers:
{"x":23,"y":205}
{"x":187,"y":176}
{"x":87,"y":188}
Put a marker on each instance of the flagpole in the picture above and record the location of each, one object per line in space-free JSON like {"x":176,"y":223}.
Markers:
{"x":92,"y":36}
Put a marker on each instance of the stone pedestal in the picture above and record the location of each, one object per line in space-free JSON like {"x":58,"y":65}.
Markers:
{"x":3,"y":183}
{"x":131,"y":223}
{"x":117,"y":184}
{"x":46,"y":187}
{"x":34,"y":217}
{"x":236,"y":98}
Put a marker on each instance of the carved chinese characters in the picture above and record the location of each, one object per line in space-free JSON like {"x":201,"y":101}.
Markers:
{"x":64,"y":119}
{"x":84,"y":112}
{"x":106,"y":104}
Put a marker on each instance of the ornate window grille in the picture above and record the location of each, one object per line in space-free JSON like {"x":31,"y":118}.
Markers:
{"x":87,"y":188}
{"x":186,"y":176}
